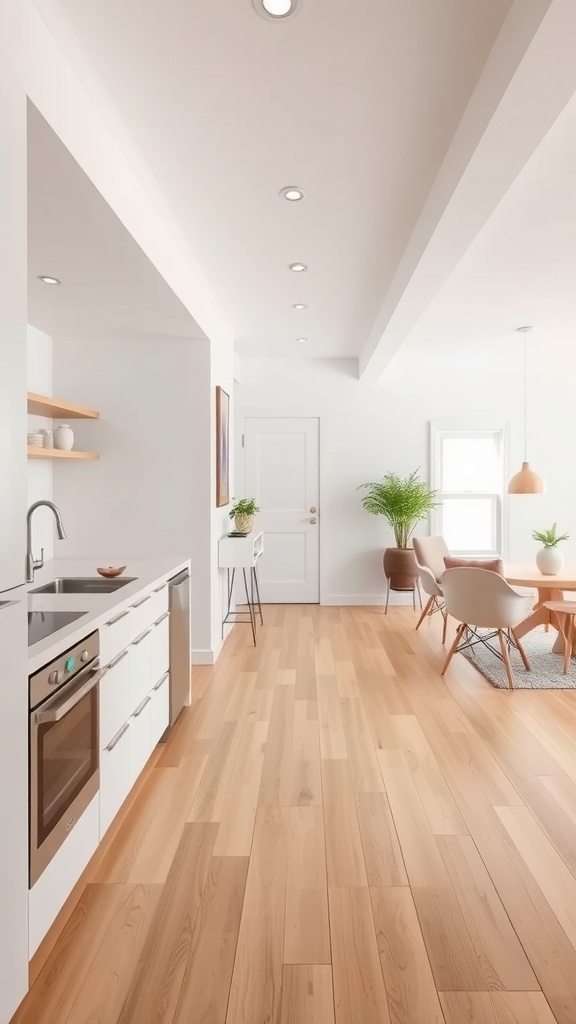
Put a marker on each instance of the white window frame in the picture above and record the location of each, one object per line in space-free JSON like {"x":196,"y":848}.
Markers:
{"x":439,"y":429}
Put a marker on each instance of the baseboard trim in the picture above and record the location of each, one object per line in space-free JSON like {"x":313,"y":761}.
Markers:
{"x":203,"y":657}
{"x":379,"y":600}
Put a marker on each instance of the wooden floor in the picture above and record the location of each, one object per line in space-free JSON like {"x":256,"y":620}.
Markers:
{"x":336,"y":835}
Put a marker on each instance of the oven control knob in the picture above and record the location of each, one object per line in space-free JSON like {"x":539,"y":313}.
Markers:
{"x":56,"y":677}
{"x":84,"y":656}
{"x":70,"y":664}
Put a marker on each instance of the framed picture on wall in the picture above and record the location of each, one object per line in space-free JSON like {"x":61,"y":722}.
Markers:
{"x":222,"y":447}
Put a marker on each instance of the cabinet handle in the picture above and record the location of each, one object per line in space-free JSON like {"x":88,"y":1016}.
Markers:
{"x":162,"y":587}
{"x":161,"y":619}
{"x":160,"y":681}
{"x":118,"y":617}
{"x":114,"y":743}
{"x":142,"y":637}
{"x":141,"y":706}
{"x":142,"y":601}
{"x":117,"y":660}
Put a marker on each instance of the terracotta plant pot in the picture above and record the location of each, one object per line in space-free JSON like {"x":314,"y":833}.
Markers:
{"x":400,"y":568}
{"x":243,"y":524}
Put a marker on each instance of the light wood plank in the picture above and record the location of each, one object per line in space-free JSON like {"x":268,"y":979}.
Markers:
{"x":211,"y":796}
{"x":547,"y":867}
{"x":255,"y":994}
{"x":307,"y":995}
{"x":344,"y":853}
{"x":382,"y":853}
{"x":366,"y":774}
{"x":412,"y":995}
{"x":454,"y":961}
{"x":496,"y":1008}
{"x":239,"y":812}
{"x":438,"y":802}
{"x":155,"y":992}
{"x":306,"y":782}
{"x":332,"y":736}
{"x":359,"y":993}
{"x":502,"y":959}
{"x":307,"y":933}
{"x":276,"y":784}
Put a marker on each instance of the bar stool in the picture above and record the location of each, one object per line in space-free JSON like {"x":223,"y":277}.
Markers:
{"x":564,"y":612}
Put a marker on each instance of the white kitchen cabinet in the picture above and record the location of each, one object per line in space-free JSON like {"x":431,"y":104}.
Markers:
{"x":159,"y":709}
{"x":115,"y":775}
{"x":116,"y":634}
{"x":140,"y":745}
{"x":141,"y":679}
{"x":115,"y":696}
{"x":159,"y":648}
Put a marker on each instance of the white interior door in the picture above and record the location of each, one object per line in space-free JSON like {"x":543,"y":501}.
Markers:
{"x":281,"y":470}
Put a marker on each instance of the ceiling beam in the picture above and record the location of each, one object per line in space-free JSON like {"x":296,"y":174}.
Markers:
{"x":527,"y":81}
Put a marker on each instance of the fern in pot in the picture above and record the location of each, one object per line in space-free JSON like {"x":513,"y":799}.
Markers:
{"x":403,"y":502}
{"x":548,"y":559}
{"x":242,"y":512}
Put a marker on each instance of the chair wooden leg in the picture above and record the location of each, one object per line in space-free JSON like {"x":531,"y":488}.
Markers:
{"x":452,"y":650}
{"x":568,"y":643}
{"x":419,"y":592}
{"x":527,"y":665}
{"x":387,"y":596}
{"x":425,"y":612}
{"x":445,"y":626}
{"x":506,"y":659}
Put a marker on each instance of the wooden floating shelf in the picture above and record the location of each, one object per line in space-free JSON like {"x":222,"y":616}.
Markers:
{"x":55,"y":453}
{"x":42,"y":405}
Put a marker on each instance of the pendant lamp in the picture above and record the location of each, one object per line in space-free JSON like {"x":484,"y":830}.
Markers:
{"x":526,"y":481}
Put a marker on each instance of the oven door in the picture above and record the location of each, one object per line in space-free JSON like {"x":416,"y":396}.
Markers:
{"x":64,"y":765}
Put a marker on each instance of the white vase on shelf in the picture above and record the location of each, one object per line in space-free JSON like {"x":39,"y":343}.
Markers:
{"x":550,"y":561}
{"x":64,"y":437}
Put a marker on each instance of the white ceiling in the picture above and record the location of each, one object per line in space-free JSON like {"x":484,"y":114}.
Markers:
{"x":109,"y":286}
{"x":520,"y":270}
{"x":356,"y":102}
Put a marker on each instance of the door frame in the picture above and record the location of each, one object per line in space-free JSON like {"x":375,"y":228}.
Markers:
{"x":241,"y":460}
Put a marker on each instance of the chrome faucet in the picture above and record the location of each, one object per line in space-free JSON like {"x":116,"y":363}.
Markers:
{"x":37,"y":563}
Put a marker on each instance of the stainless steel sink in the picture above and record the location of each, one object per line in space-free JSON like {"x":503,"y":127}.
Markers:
{"x":83,"y":585}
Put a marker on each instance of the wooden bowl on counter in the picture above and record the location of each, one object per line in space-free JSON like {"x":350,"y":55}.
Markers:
{"x":111,"y":571}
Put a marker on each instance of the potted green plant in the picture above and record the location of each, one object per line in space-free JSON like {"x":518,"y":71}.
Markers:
{"x":403,"y":502}
{"x":548,"y":559}
{"x":242,"y":512}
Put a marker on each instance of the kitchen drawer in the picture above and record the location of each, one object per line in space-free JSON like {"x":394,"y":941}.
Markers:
{"x":159,"y":709}
{"x":115,"y":776}
{"x":159,"y":648}
{"x":149,"y":607}
{"x":141,"y":680}
{"x":140,"y":744}
{"x":115,"y":696}
{"x":116,"y":634}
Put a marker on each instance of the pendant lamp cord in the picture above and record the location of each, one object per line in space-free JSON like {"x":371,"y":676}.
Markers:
{"x":525,"y":401}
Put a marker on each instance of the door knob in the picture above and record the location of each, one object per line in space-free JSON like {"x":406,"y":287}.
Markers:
{"x":313,"y":508}
{"x":313,"y":521}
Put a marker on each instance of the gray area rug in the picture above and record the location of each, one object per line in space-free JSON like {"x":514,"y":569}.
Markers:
{"x":546,"y":673}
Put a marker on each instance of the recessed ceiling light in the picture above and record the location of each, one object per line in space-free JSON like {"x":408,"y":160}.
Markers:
{"x":299,"y":305}
{"x":292,"y":193}
{"x":48,"y":280}
{"x":302,"y":340}
{"x":297,"y":268}
{"x":276,"y":9}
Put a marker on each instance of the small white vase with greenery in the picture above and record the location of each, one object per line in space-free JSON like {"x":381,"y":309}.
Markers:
{"x":548,"y":559}
{"x":242,"y":512}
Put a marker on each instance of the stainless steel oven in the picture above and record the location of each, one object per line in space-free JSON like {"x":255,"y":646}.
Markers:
{"x":64,"y":748}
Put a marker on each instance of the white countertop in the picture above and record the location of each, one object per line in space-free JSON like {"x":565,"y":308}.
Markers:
{"x":97,"y":607}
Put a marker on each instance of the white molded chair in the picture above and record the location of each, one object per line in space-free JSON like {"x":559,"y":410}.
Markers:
{"x":430,"y":553}
{"x":435,"y":602}
{"x":484,"y":598}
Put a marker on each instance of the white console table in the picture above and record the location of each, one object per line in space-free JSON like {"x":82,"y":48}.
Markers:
{"x":242,"y":553}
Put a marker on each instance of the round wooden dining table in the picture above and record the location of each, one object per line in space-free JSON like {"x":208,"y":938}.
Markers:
{"x":549,"y":589}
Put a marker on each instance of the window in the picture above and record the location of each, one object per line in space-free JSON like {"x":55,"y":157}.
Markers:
{"x":468,"y":471}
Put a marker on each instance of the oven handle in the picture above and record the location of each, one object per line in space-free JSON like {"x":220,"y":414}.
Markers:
{"x":57,"y":711}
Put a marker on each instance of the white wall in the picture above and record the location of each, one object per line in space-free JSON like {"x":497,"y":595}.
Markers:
{"x":13,"y":651}
{"x":40,"y":475}
{"x":368,"y":429}
{"x":152,"y":491}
